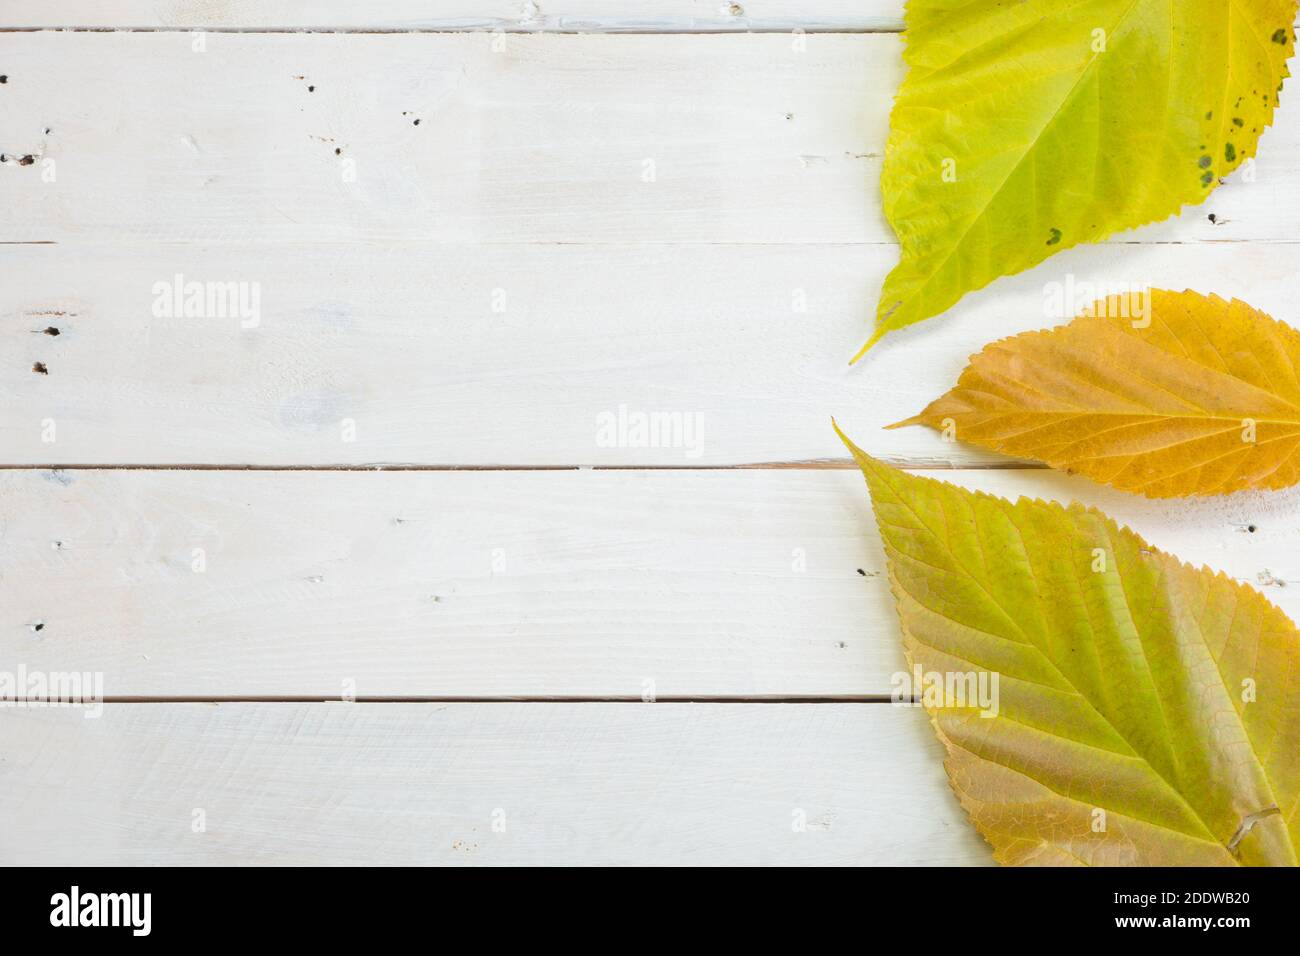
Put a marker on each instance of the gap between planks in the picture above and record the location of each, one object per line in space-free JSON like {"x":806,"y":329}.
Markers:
{"x":828,"y":464}
{"x":626,"y":26}
{"x":502,"y":27}
{"x":498,"y":699}
{"x":526,"y":243}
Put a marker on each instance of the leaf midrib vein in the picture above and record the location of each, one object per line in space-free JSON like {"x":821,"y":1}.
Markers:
{"x":1051,"y":663}
{"x":1152,"y":823}
{"x":1029,"y":149}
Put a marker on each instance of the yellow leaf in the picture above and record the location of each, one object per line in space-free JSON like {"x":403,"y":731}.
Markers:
{"x":1144,"y":712}
{"x":1163,"y":393}
{"x":1022,"y":129}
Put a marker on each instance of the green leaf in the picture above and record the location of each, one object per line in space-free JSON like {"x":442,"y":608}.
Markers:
{"x":1146,"y":712}
{"x":1026,"y":128}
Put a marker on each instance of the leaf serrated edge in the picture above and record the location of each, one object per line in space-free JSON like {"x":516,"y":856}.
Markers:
{"x":1088,"y":312}
{"x":881,"y":329}
{"x":866,"y":462}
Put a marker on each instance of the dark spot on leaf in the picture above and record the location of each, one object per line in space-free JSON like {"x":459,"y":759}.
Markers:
{"x":1230,"y":152}
{"x":1279,"y":35}
{"x":1207,"y":178}
{"x":1210,"y":115}
{"x":1055,"y":237}
{"x":1204,"y":162}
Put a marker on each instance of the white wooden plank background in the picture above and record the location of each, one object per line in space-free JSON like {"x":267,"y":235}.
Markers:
{"x":743,"y":583}
{"x":732,"y":288}
{"x":752,"y":140}
{"x":404,"y":342}
{"x":331,"y":784}
{"x":658,"y":16}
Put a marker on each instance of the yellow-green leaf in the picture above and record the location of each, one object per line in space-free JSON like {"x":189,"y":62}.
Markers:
{"x":1025,"y":128}
{"x":1163,"y":393}
{"x":1147,"y":712}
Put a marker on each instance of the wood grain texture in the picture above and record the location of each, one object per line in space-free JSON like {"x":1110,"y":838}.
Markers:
{"x":606,"y":583}
{"x":526,"y":176}
{"x":334,"y":784}
{"x":748,"y":344}
{"x":570,"y":15}
{"x":753,"y":139}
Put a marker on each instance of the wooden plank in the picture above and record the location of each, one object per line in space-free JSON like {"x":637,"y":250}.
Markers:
{"x":521,"y":138}
{"x":334,"y":784}
{"x":570,"y":15}
{"x":512,"y":584}
{"x":404,"y":343}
